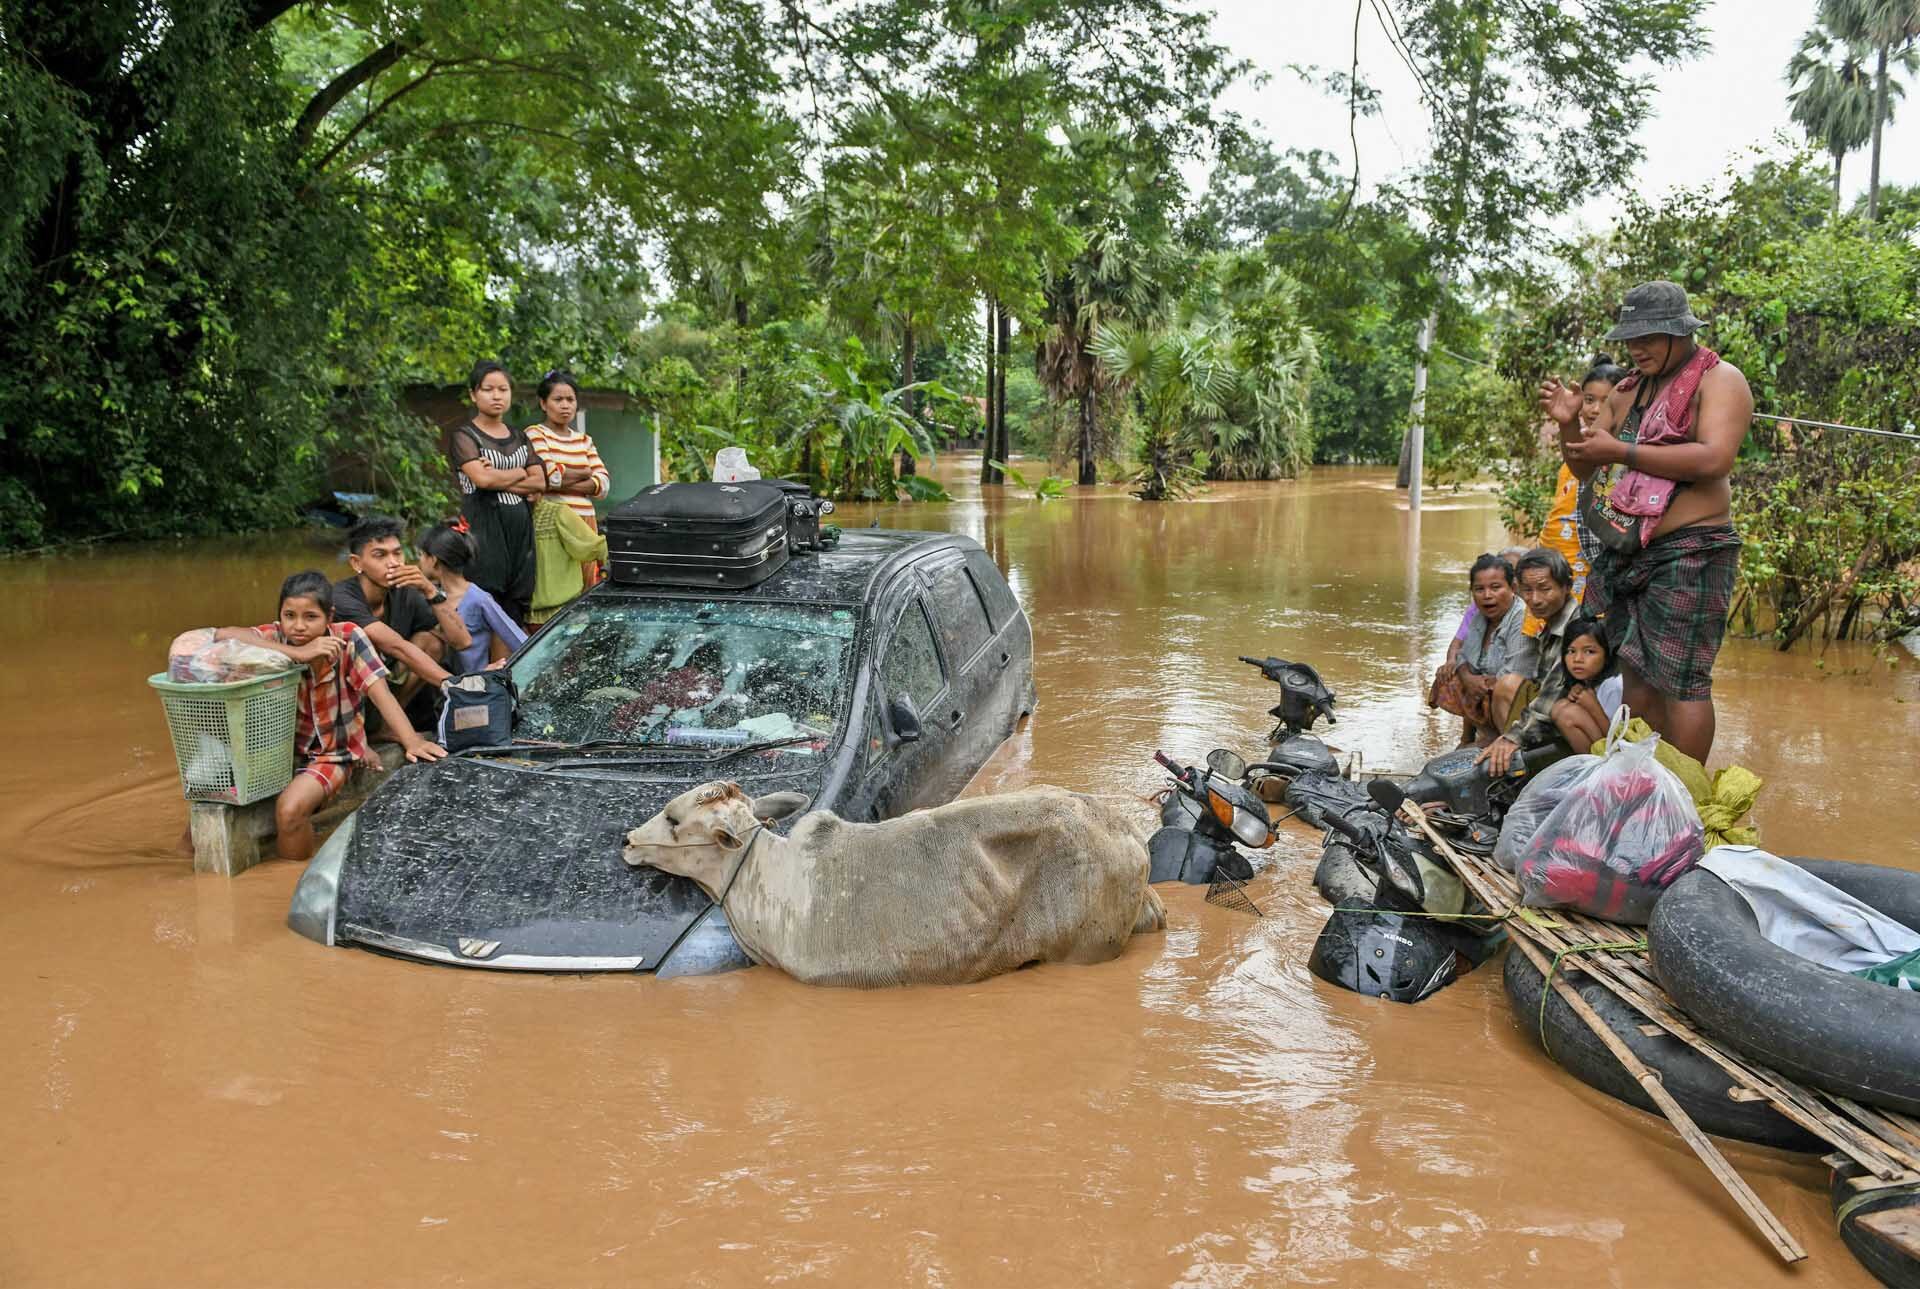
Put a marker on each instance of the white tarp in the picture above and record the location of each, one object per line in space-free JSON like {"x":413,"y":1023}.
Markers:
{"x":1806,"y":916}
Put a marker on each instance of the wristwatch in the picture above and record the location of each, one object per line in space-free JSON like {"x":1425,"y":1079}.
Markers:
{"x":438,"y":597}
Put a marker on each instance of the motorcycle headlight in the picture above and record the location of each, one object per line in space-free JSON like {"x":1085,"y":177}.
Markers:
{"x":1252,"y":829}
{"x":316,"y":899}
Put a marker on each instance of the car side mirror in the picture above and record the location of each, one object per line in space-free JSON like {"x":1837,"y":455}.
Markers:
{"x":905,"y":720}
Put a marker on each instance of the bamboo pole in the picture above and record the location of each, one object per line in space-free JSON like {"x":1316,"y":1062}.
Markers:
{"x":1757,"y":1212}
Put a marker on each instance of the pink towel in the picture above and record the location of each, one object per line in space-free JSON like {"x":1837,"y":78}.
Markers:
{"x":1669,"y":419}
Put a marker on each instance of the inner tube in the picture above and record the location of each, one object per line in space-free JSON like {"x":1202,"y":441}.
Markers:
{"x":1696,"y":1083}
{"x":1820,"y":1026}
{"x":1891,"y":1264}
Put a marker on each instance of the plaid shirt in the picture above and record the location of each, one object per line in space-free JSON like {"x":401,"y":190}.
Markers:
{"x":329,"y":727}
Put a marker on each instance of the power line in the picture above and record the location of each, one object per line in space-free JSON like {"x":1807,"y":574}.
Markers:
{"x":1830,"y":425}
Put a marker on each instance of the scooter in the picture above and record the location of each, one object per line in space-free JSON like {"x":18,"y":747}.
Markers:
{"x":1206,"y":817}
{"x":1302,"y":771}
{"x":1304,"y":699}
{"x":1398,"y":945}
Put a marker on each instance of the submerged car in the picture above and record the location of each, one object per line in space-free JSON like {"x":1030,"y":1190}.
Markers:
{"x":875,"y":677}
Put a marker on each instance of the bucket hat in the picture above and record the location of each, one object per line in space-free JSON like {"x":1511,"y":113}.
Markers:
{"x":1655,"y":309}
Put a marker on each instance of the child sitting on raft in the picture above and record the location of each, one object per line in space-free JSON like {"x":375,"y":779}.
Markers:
{"x":1583,"y":715}
{"x":343,"y":672}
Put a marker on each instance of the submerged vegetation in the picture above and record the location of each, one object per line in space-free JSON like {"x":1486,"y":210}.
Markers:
{"x":236,"y":232}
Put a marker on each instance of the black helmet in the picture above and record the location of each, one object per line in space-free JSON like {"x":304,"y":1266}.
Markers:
{"x":1386,"y":955}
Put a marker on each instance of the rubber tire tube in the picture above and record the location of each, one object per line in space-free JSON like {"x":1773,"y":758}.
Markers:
{"x":1696,"y":1083}
{"x":1895,"y":1268}
{"x":1341,"y":880}
{"x":1823,"y":1027}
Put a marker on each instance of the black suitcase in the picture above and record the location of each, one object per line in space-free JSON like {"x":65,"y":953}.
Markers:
{"x":699,"y":534}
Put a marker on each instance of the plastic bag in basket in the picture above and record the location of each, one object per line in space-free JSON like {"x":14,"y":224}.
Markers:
{"x":180,"y":653}
{"x":1543,"y":793}
{"x":220,"y":661}
{"x":1616,"y":842}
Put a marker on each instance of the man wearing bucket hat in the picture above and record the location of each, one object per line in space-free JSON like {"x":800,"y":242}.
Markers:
{"x":1654,"y":491}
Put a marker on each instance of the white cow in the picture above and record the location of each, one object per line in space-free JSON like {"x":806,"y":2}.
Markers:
{"x":942,"y":896}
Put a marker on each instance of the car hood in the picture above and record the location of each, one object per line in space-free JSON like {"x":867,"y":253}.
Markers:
{"x":483,"y":863}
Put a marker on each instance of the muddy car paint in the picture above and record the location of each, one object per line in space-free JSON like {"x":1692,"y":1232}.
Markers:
{"x":501,"y":863}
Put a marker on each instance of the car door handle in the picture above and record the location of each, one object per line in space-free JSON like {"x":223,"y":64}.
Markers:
{"x":953,"y":721}
{"x":1005,"y":657}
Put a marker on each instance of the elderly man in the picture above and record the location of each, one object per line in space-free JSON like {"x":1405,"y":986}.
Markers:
{"x":1546,"y":584}
{"x":1655,"y":494}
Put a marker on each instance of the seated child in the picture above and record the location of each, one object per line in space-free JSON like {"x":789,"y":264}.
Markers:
{"x":343,"y":672}
{"x":445,"y":552}
{"x":1583,"y":715}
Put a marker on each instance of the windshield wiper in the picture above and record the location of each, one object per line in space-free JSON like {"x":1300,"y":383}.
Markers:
{"x":721,"y":754}
{"x":532,"y":747}
{"x":711,"y":758}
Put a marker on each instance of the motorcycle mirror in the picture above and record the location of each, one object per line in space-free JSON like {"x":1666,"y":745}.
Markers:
{"x":1387,"y":794}
{"x":1228,"y":765}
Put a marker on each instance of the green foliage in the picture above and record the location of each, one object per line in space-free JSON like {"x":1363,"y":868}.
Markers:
{"x":1050,"y":488}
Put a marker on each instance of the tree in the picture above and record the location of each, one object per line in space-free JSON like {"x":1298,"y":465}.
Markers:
{"x":1121,"y":273}
{"x":1889,"y":28}
{"x":1180,"y":376}
{"x":1527,"y":104}
{"x":1834,"y":95}
{"x":221,"y":212}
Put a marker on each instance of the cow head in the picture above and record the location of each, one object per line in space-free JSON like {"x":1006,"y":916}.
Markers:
{"x":701,"y":832}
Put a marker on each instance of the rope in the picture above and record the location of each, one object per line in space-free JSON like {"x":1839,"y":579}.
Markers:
{"x":1546,"y":983}
{"x":1846,"y":1210}
{"x":1451,"y":917}
{"x":1831,"y":425}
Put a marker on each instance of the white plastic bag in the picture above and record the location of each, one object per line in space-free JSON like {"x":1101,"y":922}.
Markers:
{"x":730,"y":466}
{"x":1538,"y":799}
{"x":1615,"y":842}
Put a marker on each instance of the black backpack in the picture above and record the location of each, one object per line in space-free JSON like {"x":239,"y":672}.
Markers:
{"x":478,"y":710}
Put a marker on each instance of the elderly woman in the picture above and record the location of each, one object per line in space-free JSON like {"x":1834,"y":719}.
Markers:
{"x":1490,"y":635}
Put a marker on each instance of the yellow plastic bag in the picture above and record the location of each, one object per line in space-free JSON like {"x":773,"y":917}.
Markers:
{"x":1722,"y":799}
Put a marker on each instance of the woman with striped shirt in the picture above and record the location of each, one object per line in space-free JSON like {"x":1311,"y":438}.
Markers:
{"x":575,"y":473}
{"x":499,"y":475}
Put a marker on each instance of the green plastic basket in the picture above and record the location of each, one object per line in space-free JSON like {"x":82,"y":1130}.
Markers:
{"x":233,"y":742}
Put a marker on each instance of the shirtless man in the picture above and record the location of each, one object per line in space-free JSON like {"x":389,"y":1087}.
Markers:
{"x":1663,"y":580}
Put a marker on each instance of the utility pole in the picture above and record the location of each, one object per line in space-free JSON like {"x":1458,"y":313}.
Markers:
{"x":1417,"y":434}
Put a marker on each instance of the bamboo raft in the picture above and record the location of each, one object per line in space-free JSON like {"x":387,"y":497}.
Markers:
{"x":1884,"y":1143}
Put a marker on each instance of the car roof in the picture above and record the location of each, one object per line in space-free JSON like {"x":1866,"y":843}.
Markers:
{"x":844,"y":573}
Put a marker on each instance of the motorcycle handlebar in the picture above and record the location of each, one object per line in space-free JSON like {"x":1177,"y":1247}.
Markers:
{"x":1346,"y":827}
{"x":1169,"y":765}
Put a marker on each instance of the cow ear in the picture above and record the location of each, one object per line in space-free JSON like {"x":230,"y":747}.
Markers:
{"x":779,"y":805}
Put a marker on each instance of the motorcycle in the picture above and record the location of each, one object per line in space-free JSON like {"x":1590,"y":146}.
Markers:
{"x":1399,"y":944}
{"x":1303,"y":772}
{"x":1206,"y":817}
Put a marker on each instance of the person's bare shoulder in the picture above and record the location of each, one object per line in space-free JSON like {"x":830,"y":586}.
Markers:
{"x":1725,"y":380}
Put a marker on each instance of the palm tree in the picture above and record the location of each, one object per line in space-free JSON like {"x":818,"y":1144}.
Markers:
{"x":1889,"y":28}
{"x":1832,"y":100}
{"x":1182,"y":376}
{"x":1114,"y":278}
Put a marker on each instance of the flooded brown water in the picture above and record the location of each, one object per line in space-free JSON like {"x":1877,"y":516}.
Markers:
{"x":190,"y":1094}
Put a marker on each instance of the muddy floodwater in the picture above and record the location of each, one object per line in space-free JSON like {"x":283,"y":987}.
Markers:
{"x":190,"y":1094}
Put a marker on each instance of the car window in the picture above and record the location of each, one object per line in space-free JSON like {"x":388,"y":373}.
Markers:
{"x":686,"y":672}
{"x":962,"y":613}
{"x":911,"y":668}
{"x":999,"y":597}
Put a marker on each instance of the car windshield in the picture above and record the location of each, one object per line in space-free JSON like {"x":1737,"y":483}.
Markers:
{"x":707,"y":675}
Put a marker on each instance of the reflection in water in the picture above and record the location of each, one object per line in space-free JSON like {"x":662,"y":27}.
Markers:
{"x":252,"y":1108}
